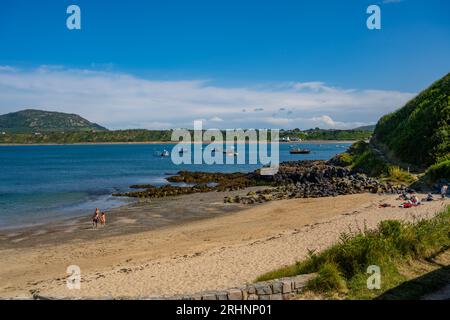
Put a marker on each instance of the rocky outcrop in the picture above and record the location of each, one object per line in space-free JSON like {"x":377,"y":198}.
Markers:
{"x":295,"y":179}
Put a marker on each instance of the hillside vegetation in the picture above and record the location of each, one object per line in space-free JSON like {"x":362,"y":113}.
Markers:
{"x":415,"y":137}
{"x":38,"y":121}
{"x":419,"y":133}
{"x":143,"y":135}
{"x":126,"y":136}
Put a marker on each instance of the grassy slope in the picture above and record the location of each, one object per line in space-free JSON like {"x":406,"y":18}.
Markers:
{"x":419,"y":133}
{"x":414,"y":137}
{"x":30,"y":121}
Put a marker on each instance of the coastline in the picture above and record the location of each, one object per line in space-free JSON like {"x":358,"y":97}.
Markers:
{"x":150,"y":249}
{"x":161,"y":142}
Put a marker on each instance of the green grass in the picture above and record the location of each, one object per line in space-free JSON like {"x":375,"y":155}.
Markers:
{"x":440,"y":170}
{"x":343,"y":267}
{"x":363,"y":159}
{"x":398,"y":175}
{"x":418,"y":133}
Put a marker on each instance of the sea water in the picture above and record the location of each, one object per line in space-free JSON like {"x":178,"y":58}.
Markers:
{"x":46,"y":183}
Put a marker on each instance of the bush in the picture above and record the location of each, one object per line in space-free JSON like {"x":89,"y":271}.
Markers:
{"x":328,"y":279}
{"x":396,"y":174}
{"x":438,"y":171}
{"x":369,"y":163}
{"x":343,"y":160}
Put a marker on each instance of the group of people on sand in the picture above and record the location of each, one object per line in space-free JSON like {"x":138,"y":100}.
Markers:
{"x":411,"y":199}
{"x":98,"y":217}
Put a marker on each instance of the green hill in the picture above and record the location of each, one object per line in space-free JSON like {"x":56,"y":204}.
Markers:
{"x":369,"y":128}
{"x":32,"y":121}
{"x":419,"y":132}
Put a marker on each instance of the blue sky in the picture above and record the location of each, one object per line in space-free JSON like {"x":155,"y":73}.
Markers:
{"x":233,"y":63}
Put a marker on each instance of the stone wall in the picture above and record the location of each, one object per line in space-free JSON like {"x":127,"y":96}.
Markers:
{"x":278,"y":289}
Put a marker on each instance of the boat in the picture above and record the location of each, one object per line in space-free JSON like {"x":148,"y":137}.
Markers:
{"x":165,"y":153}
{"x":299,"y":151}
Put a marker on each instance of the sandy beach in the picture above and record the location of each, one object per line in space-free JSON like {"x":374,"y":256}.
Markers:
{"x":184,"y":245}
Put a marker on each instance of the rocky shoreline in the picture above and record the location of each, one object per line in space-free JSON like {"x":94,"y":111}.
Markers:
{"x":295,"y":179}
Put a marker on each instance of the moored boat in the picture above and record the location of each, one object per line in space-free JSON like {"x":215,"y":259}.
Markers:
{"x":299,"y":151}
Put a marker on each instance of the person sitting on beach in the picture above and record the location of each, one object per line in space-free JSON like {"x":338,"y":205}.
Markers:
{"x":430,"y":197}
{"x":95,"y":218}
{"x":103,"y":219}
{"x":415,"y":201}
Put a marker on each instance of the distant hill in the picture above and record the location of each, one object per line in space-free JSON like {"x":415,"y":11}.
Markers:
{"x":419,"y":132}
{"x":33,"y":121}
{"x":369,"y":128}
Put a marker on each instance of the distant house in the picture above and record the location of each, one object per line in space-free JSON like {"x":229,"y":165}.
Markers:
{"x":37,"y":133}
{"x":3,"y":132}
{"x":285,"y":139}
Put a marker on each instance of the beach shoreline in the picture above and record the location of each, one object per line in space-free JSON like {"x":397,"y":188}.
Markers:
{"x":203,"y":245}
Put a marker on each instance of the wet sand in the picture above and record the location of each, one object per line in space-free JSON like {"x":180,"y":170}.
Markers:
{"x":184,"y":245}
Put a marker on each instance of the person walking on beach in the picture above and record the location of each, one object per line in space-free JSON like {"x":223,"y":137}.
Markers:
{"x":95,"y":218}
{"x":103,"y":219}
{"x":444,"y":191}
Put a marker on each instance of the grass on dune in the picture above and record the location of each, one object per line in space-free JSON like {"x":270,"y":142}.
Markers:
{"x":342,"y":268}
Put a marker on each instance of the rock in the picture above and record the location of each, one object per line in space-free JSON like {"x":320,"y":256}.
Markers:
{"x":222,"y":296}
{"x":251,"y":290}
{"x":209,"y":296}
{"x":235,"y":294}
{"x":295,"y":179}
{"x":286,"y":286}
{"x":263,"y":289}
{"x":276,"y":296}
{"x":277,"y":287}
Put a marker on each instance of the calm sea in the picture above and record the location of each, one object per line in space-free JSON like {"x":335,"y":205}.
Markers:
{"x":45,"y":183}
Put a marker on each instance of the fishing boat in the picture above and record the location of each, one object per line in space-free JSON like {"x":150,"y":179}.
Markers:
{"x":299,"y":151}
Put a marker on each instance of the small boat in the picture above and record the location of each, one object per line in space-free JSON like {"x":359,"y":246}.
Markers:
{"x":165,"y":153}
{"x":299,"y":151}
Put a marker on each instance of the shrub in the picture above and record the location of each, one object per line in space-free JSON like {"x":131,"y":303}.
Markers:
{"x":438,"y":171}
{"x":343,"y":160}
{"x":396,"y":174}
{"x":328,"y":279}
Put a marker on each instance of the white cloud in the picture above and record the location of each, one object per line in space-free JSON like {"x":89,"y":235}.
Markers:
{"x":119,"y":100}
{"x":7,"y":69}
{"x":216,"y":119}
